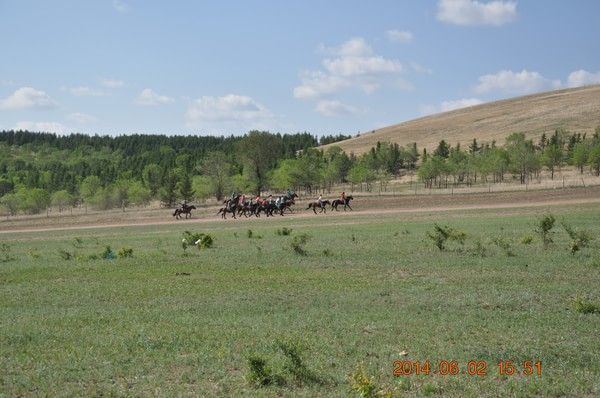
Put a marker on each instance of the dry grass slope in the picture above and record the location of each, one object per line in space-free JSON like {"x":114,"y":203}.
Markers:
{"x":575,"y":109}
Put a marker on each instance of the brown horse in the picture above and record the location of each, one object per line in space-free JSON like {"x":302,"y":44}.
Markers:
{"x":314,"y":205}
{"x":185,"y":209}
{"x":346,"y":202}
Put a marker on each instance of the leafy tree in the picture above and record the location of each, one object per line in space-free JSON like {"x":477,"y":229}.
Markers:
{"x":218,"y":169}
{"x":90,"y":187}
{"x":260,"y":151}
{"x":152,"y":176}
{"x":10,"y":202}
{"x":552,"y":158}
{"x":202,"y":187}
{"x":580,"y":155}
{"x":61,"y":199}
{"x":138,"y":194}
{"x":594,"y":159}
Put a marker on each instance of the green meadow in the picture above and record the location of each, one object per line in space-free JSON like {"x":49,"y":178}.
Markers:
{"x":251,"y":316}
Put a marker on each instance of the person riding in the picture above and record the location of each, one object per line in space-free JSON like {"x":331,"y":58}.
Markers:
{"x":278,"y":201}
{"x":258,"y":199}
{"x":270,"y":199}
{"x":343,"y":197}
{"x":320,"y":200}
{"x":290,"y":194}
{"x":242,"y":199}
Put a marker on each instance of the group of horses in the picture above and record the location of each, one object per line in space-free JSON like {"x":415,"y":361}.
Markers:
{"x":269,"y":207}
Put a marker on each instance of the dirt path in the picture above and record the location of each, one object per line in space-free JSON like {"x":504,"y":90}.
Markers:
{"x":375,"y":205}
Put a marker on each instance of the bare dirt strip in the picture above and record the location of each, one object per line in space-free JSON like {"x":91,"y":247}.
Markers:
{"x":363,"y":205}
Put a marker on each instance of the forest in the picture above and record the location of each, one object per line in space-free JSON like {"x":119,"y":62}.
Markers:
{"x":39,"y":170}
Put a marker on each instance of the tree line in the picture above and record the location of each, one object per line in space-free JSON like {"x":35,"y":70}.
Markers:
{"x":38,"y":170}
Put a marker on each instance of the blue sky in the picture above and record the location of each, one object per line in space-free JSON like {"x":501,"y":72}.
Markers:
{"x":326,"y":67}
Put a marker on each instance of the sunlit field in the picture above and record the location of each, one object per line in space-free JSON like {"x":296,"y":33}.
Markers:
{"x":265,"y":311}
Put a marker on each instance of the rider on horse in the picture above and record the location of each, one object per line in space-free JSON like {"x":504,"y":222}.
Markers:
{"x":320,"y":200}
{"x":343,"y":197}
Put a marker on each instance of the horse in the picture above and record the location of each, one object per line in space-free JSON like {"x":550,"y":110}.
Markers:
{"x":346,"y":202}
{"x":225,"y":210}
{"x":321,"y":206}
{"x":185,"y":209}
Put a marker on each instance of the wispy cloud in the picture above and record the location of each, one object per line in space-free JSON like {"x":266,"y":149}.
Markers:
{"x":399,"y":36}
{"x":46,"y":127}
{"x":27,"y":98}
{"x":352,"y":64}
{"x":112,"y":83}
{"x":334,"y":108}
{"x":121,"y":6}
{"x":228,"y":108}
{"x":509,"y":82}
{"x":86,"y":91}
{"x":81,"y":118}
{"x":150,"y":98}
{"x":473,"y":12}
{"x":583,"y":78}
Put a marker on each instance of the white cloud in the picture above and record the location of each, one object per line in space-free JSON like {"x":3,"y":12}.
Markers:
{"x":317,"y":83}
{"x":28,"y":98}
{"x":46,"y":127}
{"x":81,"y":118}
{"x":352,"y":64}
{"x":112,"y":83}
{"x":583,"y":78}
{"x":399,"y":36}
{"x":473,"y":12}
{"x":404,"y":85}
{"x":450,"y":105}
{"x":509,"y":82}
{"x":121,"y":6}
{"x":149,"y":98}
{"x":85,"y":91}
{"x":334,"y":108}
{"x":229,"y":108}
{"x":460,"y":103}
{"x":420,"y":68}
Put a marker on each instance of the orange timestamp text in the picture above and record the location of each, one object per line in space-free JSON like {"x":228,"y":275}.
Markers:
{"x":471,"y":368}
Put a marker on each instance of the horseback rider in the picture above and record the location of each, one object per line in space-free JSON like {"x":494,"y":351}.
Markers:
{"x":343,"y":197}
{"x":270,"y":199}
{"x":320,"y":200}
{"x":258,"y":199}
{"x":279,"y":202}
{"x":242,"y":199}
{"x":290,"y":194}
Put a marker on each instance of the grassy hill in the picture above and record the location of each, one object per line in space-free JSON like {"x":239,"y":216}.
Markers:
{"x":576,"y":109}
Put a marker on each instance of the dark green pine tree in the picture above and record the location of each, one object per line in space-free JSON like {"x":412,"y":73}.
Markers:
{"x":168,"y":193}
{"x":185,"y":188}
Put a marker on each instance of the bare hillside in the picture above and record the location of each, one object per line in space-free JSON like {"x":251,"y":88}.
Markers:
{"x":576,"y":109}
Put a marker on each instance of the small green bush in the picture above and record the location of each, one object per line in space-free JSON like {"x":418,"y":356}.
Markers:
{"x":259,"y":373}
{"x":249,"y":234}
{"x":198,"y":239}
{"x":65,"y":255}
{"x":298,"y":244}
{"x":504,"y":245}
{"x":527,"y":239}
{"x":544,"y":229}
{"x":5,"y":255}
{"x":586,"y":307}
{"x":441,"y":234}
{"x":284,"y":231}
{"x":125,"y":252}
{"x":579,"y":238}
{"x":362,"y":383}
{"x":108,"y":254}
{"x":327,"y":253}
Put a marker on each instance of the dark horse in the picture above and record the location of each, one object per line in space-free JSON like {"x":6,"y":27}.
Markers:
{"x":185,"y":209}
{"x":346,"y":202}
{"x":314,"y":205}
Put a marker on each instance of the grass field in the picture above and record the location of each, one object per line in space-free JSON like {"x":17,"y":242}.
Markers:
{"x":171,"y":322}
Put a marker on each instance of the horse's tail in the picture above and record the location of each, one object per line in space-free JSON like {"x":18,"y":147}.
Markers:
{"x":219,"y":212}
{"x":309,"y":206}
{"x":176,"y":211}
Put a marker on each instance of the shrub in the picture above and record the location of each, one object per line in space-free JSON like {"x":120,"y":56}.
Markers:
{"x":544,"y":229}
{"x":527,"y":239}
{"x":362,"y":383}
{"x":504,"y":245}
{"x":5,"y":255}
{"x":327,"y":253}
{"x":108,"y":254}
{"x":294,"y":364}
{"x":440,"y":235}
{"x":198,"y":239}
{"x":586,"y":307}
{"x":259,"y":373}
{"x":78,"y":243}
{"x":479,"y":249}
{"x":298,"y":243}
{"x":65,"y":255}
{"x":34,"y":253}
{"x":249,"y":233}
{"x":125,"y":252}
{"x":579,"y":238}
{"x":284,"y":231}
